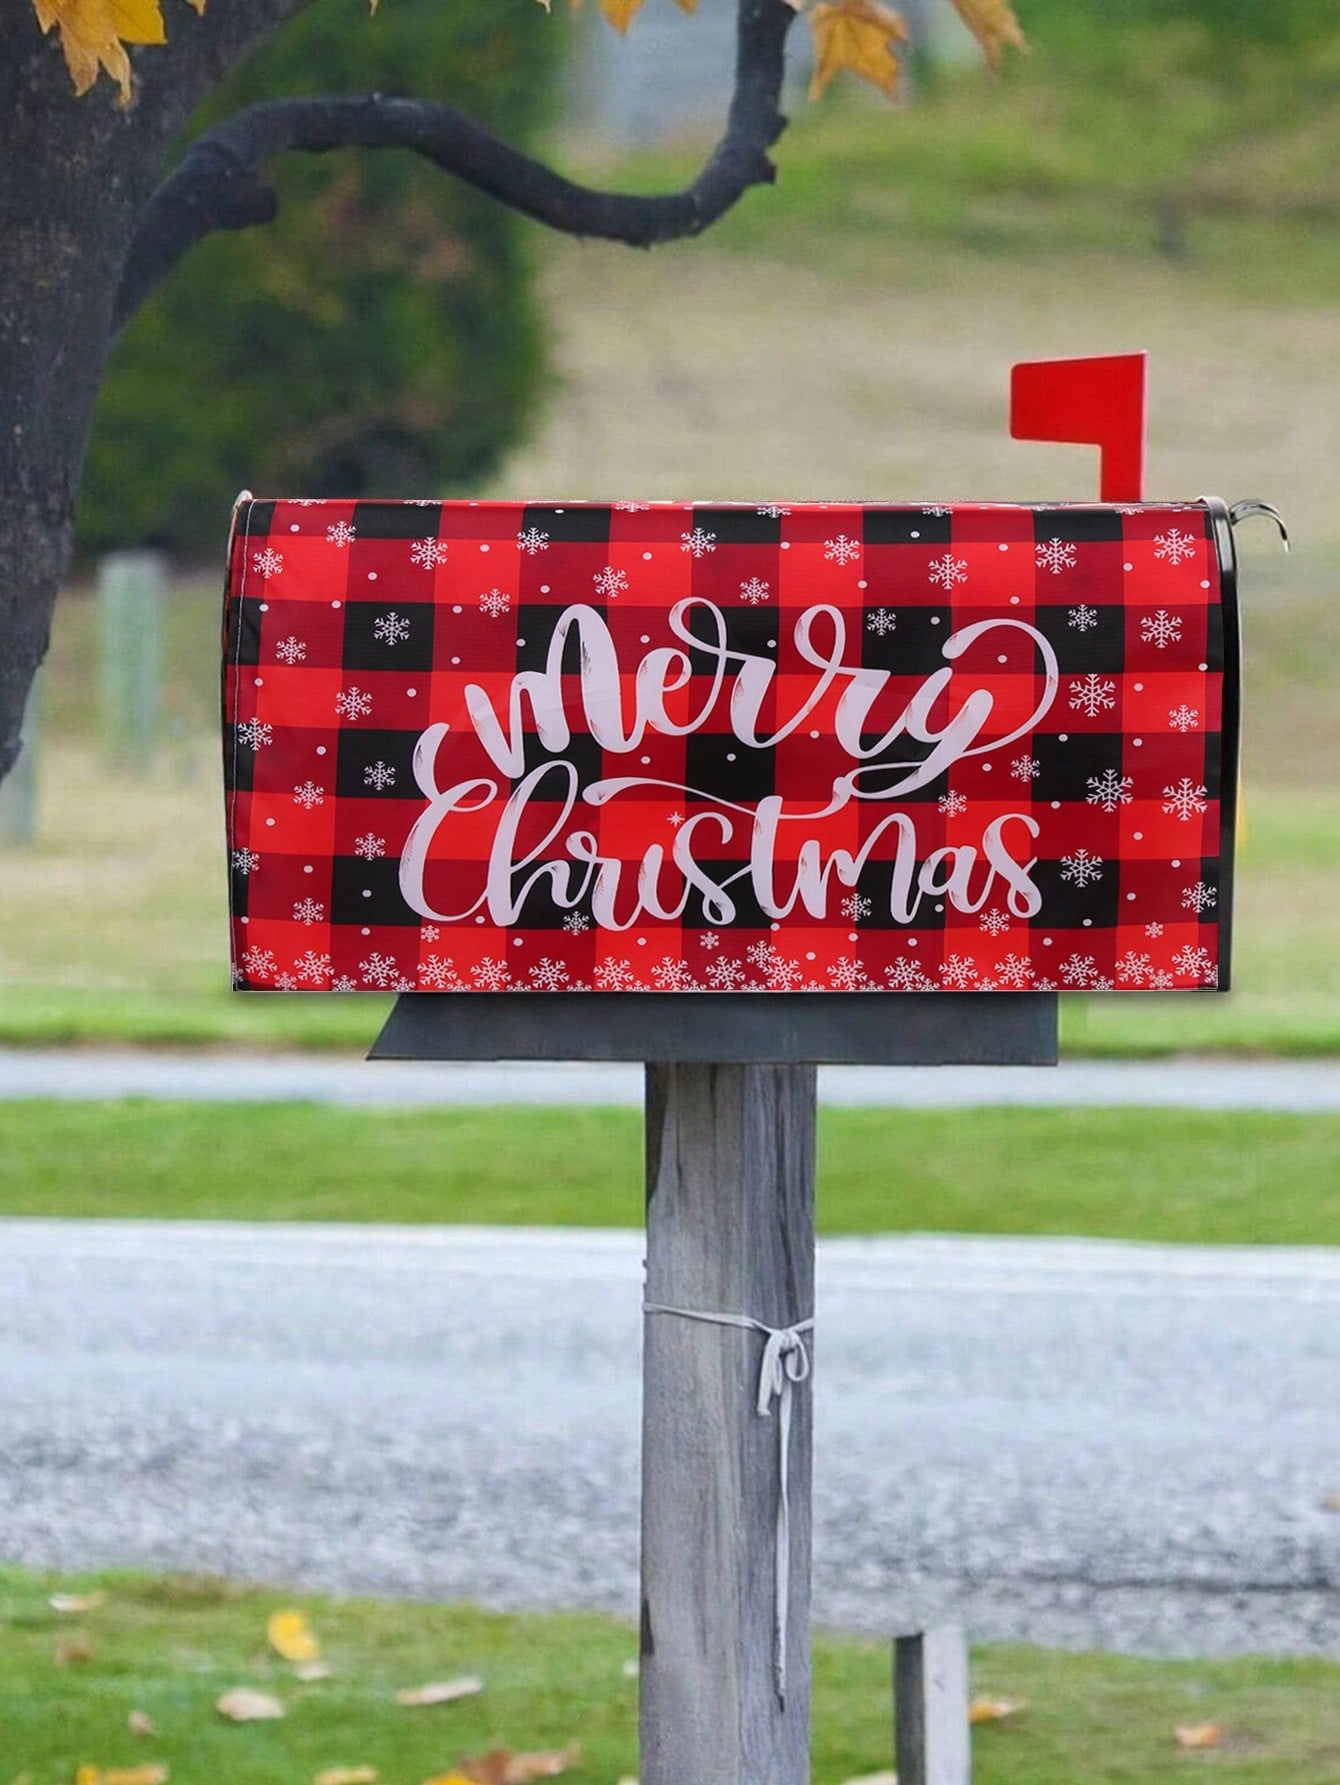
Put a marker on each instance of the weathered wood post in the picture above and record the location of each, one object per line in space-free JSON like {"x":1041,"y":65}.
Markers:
{"x":930,"y":1699}
{"x":18,"y":792}
{"x":132,"y":599}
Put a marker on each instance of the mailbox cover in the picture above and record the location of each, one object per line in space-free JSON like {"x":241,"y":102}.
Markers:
{"x":481,"y":746}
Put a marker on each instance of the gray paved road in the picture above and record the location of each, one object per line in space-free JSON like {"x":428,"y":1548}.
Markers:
{"x":1074,"y":1442}
{"x":1298,"y":1085}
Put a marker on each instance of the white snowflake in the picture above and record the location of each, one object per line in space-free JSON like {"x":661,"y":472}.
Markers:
{"x":1093,"y":695}
{"x":906,"y":975}
{"x":952,"y":804}
{"x":724,"y":974}
{"x":309,"y":795}
{"x":339,"y":533}
{"x":1025,"y":768}
{"x":440,"y":976}
{"x":1184,"y":718}
{"x":773,"y":510}
{"x":936,"y":508}
{"x":246,"y":861}
{"x":1195,"y":963}
{"x":291,"y":651}
{"x":610,"y":582}
{"x":854,"y":907}
{"x":285,"y":982}
{"x":428,"y":553}
{"x":533,"y":540}
{"x":948,"y":571}
{"x":1133,"y":968}
{"x":1015,"y":971}
{"x":369,"y":846}
{"x":1184,"y":800}
{"x":1109,"y":790}
{"x":308,"y":911}
{"x":699,"y":542}
{"x":1083,"y":618}
{"x":782,"y":974}
{"x":1199,"y":898}
{"x":959,"y":972}
{"x":710,"y":940}
{"x":841,"y":550}
{"x":491,"y":975}
{"x":754,"y":590}
{"x":1161,"y":629}
{"x":1081,"y":867}
{"x":1101,"y":984}
{"x":1056,"y":555}
{"x":882,"y":621}
{"x":353,"y":703}
{"x":1153,"y":929}
{"x":614,"y":976}
{"x":345,"y":983}
{"x":379,"y":970}
{"x":672,"y":975}
{"x":312,"y":967}
{"x":848,"y":975}
{"x":632,"y":507}
{"x":1159,"y":981}
{"x":429,"y":933}
{"x":1079,"y":970}
{"x":548,"y":975}
{"x":495,"y":603}
{"x":380,"y":775}
{"x":1173,"y":546}
{"x":575,"y":922}
{"x":255,"y":733}
{"x":994,"y":922}
{"x":269,"y":562}
{"x":674,"y":819}
{"x":259,"y":962}
{"x":390,"y":629}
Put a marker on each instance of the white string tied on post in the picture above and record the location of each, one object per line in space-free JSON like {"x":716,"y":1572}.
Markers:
{"x":785,"y":1364}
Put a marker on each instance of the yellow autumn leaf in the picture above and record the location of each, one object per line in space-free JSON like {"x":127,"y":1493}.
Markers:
{"x":1198,"y":1735}
{"x":993,"y":24}
{"x":152,"y":1774}
{"x":448,"y":1779}
{"x":291,"y":1636}
{"x":995,"y":1710}
{"x":621,"y":13}
{"x":93,"y":35}
{"x":858,"y":35}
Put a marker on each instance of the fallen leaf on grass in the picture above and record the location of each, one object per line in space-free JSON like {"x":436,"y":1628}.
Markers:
{"x":1198,"y":1735}
{"x":291,"y":1636}
{"x":121,"y":1775}
{"x":244,"y":1705}
{"x":449,"y":1779}
{"x":71,"y":1605}
{"x":140,"y":1723}
{"x":72,"y":1652}
{"x":995,"y":1710}
{"x":438,"y":1692}
{"x":501,"y":1767}
{"x":347,"y":1775}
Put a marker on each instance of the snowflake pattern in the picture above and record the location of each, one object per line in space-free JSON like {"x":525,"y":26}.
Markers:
{"x":1056,"y":555}
{"x":259,"y":962}
{"x":379,"y":775}
{"x":754,"y":590}
{"x":1184,"y":718}
{"x":1080,"y":970}
{"x":1184,"y":800}
{"x":1109,"y":790}
{"x":576,"y":922}
{"x":1195,"y":963}
{"x":959,"y":972}
{"x":548,"y":975}
{"x":773,"y":510}
{"x":245,"y":862}
{"x":390,"y":629}
{"x":724,"y":974}
{"x":934,"y":508}
{"x":841,"y":550}
{"x":353,"y":703}
{"x":848,"y":975}
{"x":1153,"y":929}
{"x":854,"y":907}
{"x":710,"y":940}
{"x":308,"y":794}
{"x":699,"y":542}
{"x":1133,"y":968}
{"x":429,"y":933}
{"x":882,"y":621}
{"x":312,"y":968}
{"x":1083,"y":618}
{"x":1093,"y":695}
{"x":255,"y":734}
{"x":948,"y":571}
{"x":440,"y":975}
{"x":369,"y":847}
{"x":610,"y":582}
{"x":1081,"y":868}
{"x":379,"y":970}
{"x":533,"y":541}
{"x":906,"y":975}
{"x":495,"y":603}
{"x":1025,"y":768}
{"x":308,"y":911}
{"x":491,"y":975}
{"x":291,"y":650}
{"x":1173,"y":546}
{"x":994,"y":922}
{"x":952,"y":804}
{"x":428,"y":553}
{"x":1014,"y":972}
{"x":671,"y":975}
{"x":1161,"y":629}
{"x":268,"y":563}
{"x":1199,"y":898}
{"x":340,"y":533}
{"x":614,"y":976}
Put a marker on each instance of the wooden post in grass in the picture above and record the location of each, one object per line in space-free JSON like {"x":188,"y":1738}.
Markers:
{"x":930,"y":1697}
{"x":132,"y":600}
{"x":18,"y":792}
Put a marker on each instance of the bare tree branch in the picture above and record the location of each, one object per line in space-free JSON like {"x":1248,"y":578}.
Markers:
{"x":219,"y":184}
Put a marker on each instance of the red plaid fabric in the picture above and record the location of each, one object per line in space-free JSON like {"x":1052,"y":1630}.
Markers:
{"x":667,"y":747}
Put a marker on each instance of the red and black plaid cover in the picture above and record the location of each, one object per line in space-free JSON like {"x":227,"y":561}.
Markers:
{"x":486,"y":746}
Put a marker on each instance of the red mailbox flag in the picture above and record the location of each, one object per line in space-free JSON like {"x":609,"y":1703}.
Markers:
{"x":1092,"y":402}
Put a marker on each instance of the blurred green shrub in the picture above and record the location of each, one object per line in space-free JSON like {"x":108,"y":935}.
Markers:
{"x":381,"y":337}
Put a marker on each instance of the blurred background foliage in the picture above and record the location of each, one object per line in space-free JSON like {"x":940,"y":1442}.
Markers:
{"x":382,"y":338}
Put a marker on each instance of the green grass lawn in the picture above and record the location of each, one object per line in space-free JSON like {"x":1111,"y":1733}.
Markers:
{"x":1166,"y":1175}
{"x":171,"y":1647}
